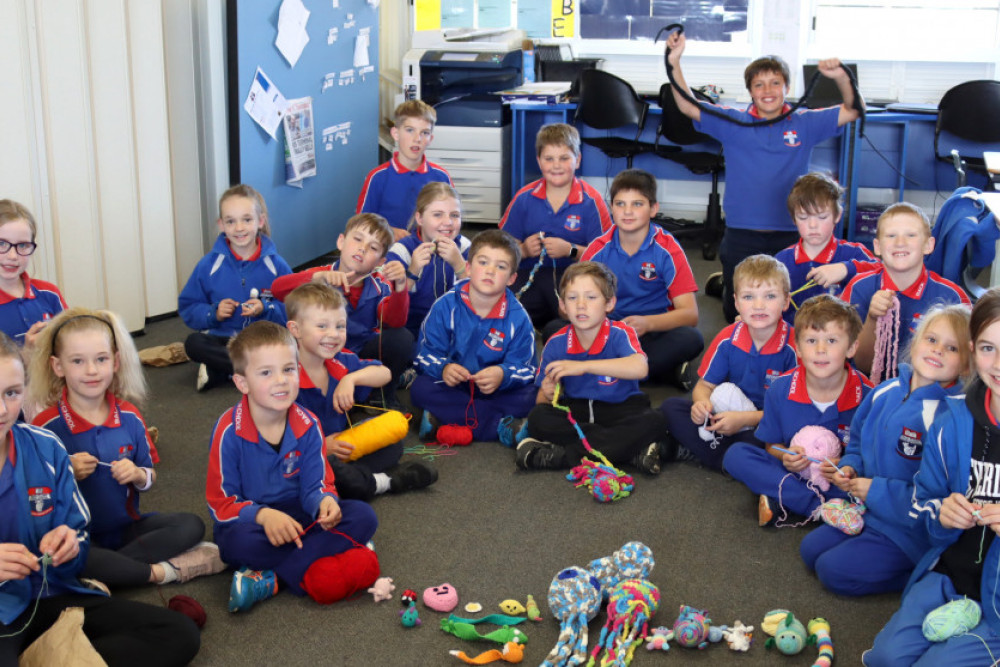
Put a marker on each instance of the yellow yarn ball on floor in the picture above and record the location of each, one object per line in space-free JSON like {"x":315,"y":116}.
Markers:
{"x":388,"y":428}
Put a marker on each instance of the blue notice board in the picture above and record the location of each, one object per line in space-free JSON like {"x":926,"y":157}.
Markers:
{"x":306,"y":221}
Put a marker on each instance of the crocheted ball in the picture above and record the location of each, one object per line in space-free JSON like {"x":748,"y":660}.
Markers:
{"x":952,"y":619}
{"x":187,"y":605}
{"x":634,"y":561}
{"x":574,"y":591}
{"x":334,"y":578}
{"x":691,"y":627}
{"x":819,"y":443}
{"x":631,"y":596}
{"x":843,"y":515}
{"x":605,"y":488}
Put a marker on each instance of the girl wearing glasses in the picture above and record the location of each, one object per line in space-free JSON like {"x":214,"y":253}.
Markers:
{"x":26,"y":304}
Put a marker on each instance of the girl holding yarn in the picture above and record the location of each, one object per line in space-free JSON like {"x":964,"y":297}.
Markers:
{"x":230,"y":287}
{"x":44,"y":543}
{"x":884,"y":451}
{"x":958,"y":501}
{"x":435,"y":252}
{"x":86,"y":370}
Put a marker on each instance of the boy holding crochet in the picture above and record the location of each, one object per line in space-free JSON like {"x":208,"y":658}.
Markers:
{"x":824,"y":390}
{"x":746,"y":356}
{"x":599,"y":363}
{"x":902,"y":240}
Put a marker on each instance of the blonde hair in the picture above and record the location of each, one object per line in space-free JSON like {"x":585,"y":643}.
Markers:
{"x":261,"y":333}
{"x":957,"y":316}
{"x":605,"y":280}
{"x":11,"y":210}
{"x":820,"y":310}
{"x":758,"y":269}
{"x":260,"y":208}
{"x":414,"y":109}
{"x":312,"y":295}
{"x":430,"y":193}
{"x":558,"y":134}
{"x":374,"y":224}
{"x":903,"y":207}
{"x":45,"y":387}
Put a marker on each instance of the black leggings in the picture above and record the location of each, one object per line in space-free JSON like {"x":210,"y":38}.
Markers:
{"x":151,"y":539}
{"x":122,"y":631}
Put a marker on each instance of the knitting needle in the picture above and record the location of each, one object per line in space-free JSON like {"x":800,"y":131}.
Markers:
{"x":102,"y":463}
{"x":788,"y":451}
{"x":841,"y":472}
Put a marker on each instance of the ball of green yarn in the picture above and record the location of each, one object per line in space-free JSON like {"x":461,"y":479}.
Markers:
{"x":951,"y":620}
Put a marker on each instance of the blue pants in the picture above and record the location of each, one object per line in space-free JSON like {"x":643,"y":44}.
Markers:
{"x":244,"y":543}
{"x":450,"y":405}
{"x":862,"y":564}
{"x":677,"y":411}
{"x":764,"y":475}
{"x":902,"y":642}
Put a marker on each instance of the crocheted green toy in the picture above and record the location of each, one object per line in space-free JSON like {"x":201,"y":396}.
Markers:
{"x":468,"y":632}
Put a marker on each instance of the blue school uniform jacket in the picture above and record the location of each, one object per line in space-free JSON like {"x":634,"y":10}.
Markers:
{"x":581,"y":219}
{"x":245,"y":474}
{"x":890,"y":430}
{"x":732,"y":357}
{"x":312,"y":398}
{"x":799,"y":265}
{"x":437,"y":277}
{"x":944,"y":470}
{"x":454,"y":333}
{"x":41,"y":301}
{"x":220,"y":275}
{"x":122,"y":436}
{"x":45,"y":497}
{"x":391,"y":189}
{"x":614,"y":340}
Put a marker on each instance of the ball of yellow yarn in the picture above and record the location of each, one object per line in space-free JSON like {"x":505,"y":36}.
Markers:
{"x":388,"y":428}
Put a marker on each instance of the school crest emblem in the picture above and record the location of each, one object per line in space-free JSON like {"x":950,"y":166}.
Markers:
{"x":572,"y":223}
{"x":791,"y":138}
{"x":494,"y":340}
{"x":39,"y":500}
{"x":606,"y":380}
{"x":910,"y":444}
{"x":290,"y":464}
{"x":647,"y":271}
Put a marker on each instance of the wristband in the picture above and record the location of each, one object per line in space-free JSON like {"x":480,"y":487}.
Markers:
{"x":412,"y":276}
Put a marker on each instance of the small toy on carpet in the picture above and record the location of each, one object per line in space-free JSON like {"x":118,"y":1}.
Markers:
{"x":473,"y":607}
{"x":631,"y":605}
{"x":382,"y":589}
{"x":443,"y":598}
{"x":495,"y":619}
{"x":468,"y":632}
{"x":633,"y":561}
{"x":739,"y":637}
{"x":532,"y":609}
{"x":951,"y":620}
{"x":574,"y":599}
{"x":819,"y":634}
{"x":511,"y":652}
{"x":409,"y":595}
{"x":409,"y":616}
{"x":512,"y":607}
{"x":659,"y":639}
{"x":693,"y":628}
{"x":788,"y":635}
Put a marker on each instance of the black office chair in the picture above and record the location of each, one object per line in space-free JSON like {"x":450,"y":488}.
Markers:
{"x":607,"y":103}
{"x":678,"y":129}
{"x":968,"y":114}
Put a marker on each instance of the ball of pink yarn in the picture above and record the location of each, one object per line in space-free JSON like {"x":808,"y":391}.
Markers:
{"x":819,"y":443}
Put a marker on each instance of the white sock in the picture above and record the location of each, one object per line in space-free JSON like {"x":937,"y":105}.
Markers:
{"x":382,"y":483}
{"x":169,"y":572}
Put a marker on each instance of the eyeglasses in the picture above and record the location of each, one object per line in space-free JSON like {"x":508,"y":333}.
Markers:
{"x":23,"y":249}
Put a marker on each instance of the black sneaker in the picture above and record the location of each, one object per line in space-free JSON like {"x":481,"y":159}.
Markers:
{"x":538,"y":455}
{"x":411,"y":476}
{"x":685,"y":376}
{"x":714,"y":285}
{"x":648,"y":460}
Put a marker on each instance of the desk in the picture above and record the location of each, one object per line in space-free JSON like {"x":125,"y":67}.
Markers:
{"x":905,"y":139}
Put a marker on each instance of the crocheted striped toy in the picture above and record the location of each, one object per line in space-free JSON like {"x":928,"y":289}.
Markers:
{"x":819,"y":634}
{"x":631,"y":605}
{"x":575,"y":599}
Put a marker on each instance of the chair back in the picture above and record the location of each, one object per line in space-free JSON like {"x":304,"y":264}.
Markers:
{"x":969,"y":112}
{"x":674,"y":125}
{"x":608,"y":102}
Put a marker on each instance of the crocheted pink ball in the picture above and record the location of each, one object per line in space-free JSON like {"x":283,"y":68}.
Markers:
{"x":819,"y":443}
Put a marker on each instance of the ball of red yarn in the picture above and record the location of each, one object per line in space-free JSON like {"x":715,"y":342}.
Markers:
{"x":455,"y":435}
{"x":187,"y":605}
{"x":336,"y":577}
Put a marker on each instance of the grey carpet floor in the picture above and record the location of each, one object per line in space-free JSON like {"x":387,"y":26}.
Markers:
{"x":495,"y":533}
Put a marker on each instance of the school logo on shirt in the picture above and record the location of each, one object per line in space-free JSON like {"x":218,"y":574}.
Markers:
{"x":647,"y":271}
{"x":769,"y":375}
{"x":126,"y":451}
{"x":791,"y":138}
{"x":290,"y":464}
{"x":494,"y":340}
{"x":606,"y":380}
{"x":910,"y":444}
{"x":572,"y":223}
{"x":40,"y":500}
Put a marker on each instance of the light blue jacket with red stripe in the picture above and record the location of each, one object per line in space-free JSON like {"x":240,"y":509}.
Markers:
{"x":41,"y":301}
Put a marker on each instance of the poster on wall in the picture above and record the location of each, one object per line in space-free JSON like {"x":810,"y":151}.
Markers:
{"x":300,"y":141}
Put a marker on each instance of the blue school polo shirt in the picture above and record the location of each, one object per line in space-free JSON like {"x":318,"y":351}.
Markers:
{"x":41,"y":301}
{"x":614,"y":340}
{"x":311,"y":397}
{"x":799,"y":265}
{"x":926,"y":291}
{"x":436,"y":278}
{"x":762,"y":163}
{"x":788,"y":407}
{"x":732,"y":357}
{"x":8,"y":502}
{"x":391,"y":189}
{"x":581,"y":219}
{"x":649,"y":280}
